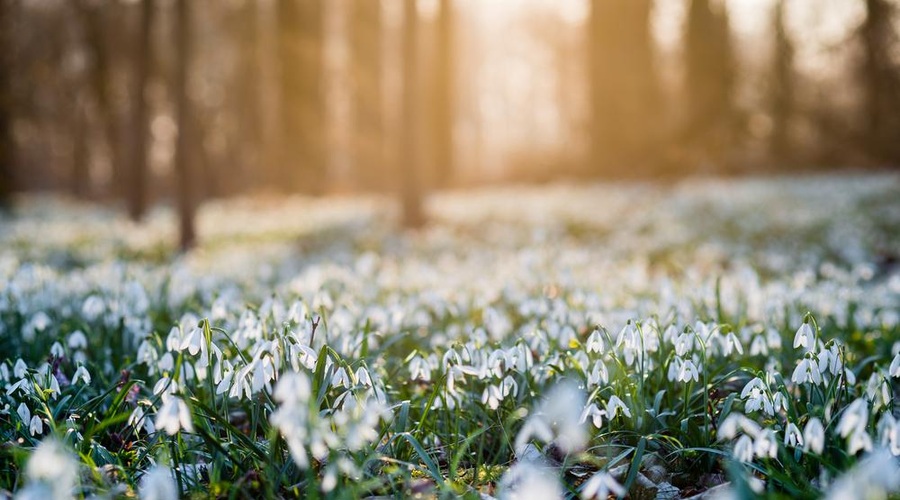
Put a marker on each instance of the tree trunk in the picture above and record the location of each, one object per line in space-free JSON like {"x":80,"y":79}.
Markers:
{"x":623,"y":86}
{"x":137,"y":199}
{"x":187,"y":203}
{"x":411,"y":184}
{"x":709,"y":81}
{"x":880,"y":83}
{"x":368,"y":142}
{"x":782,"y":90}
{"x":6,"y":103}
{"x":444,"y":94}
{"x":303,"y":131}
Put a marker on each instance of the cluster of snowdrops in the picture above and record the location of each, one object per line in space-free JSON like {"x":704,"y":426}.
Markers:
{"x":563,"y":347}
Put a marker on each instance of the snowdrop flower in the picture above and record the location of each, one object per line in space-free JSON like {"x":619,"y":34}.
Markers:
{"x":554,"y":421}
{"x":52,"y":466}
{"x":814,"y":436}
{"x":92,"y":308}
{"x":594,"y":413}
{"x":193,"y":341}
{"x":792,"y":435}
{"x":36,"y":426}
{"x":615,"y":406}
{"x":758,"y":346}
{"x":729,"y":427}
{"x":894,"y":370}
{"x":805,"y":337}
{"x":743,"y":449}
{"x":875,"y":476}
{"x":807,"y":371}
{"x":158,"y":484}
{"x":419,"y":369}
{"x":340,"y":378}
{"x":855,"y":418}
{"x":889,"y":433}
{"x":766,"y":445}
{"x":688,"y":372}
{"x":684,"y":343}
{"x":77,"y":340}
{"x":139,"y":419}
{"x":731,"y":342}
{"x":20,"y":368}
{"x":83,"y":375}
{"x":174,"y":416}
{"x":756,"y":397}
{"x":859,"y":441}
{"x":525,"y":481}
{"x":601,"y":485}
{"x":595,"y":342}
{"x":24,"y":413}
{"x":599,"y":375}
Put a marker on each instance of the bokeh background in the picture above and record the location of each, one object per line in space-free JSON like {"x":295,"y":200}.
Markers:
{"x":135,"y":103}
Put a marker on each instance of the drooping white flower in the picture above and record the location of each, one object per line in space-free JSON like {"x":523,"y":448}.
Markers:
{"x":158,"y":484}
{"x":526,"y":481}
{"x":53,"y":466}
{"x":756,"y":397}
{"x":174,"y":416}
{"x":728,"y":429}
{"x":615,"y":406}
{"x":24,"y":413}
{"x":894,"y":370}
{"x":743,"y":449}
{"x":36,"y":426}
{"x":81,"y":374}
{"x":855,"y":418}
{"x":889,"y":433}
{"x":593,"y":412}
{"x":807,"y":371}
{"x":688,"y":372}
{"x":595,"y":342}
{"x":554,"y":420}
{"x":601,"y":485}
{"x":814,"y":436}
{"x":792,"y":435}
{"x":859,"y":441}
{"x":875,"y":476}
{"x":766,"y":444}
{"x":20,"y":368}
{"x":805,"y":337}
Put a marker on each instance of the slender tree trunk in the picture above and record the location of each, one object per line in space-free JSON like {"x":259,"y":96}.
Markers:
{"x":444,"y":93}
{"x":137,"y":199}
{"x":709,"y":80}
{"x":303,"y":131}
{"x":366,"y":46}
{"x":6,"y":102}
{"x":187,"y":202}
{"x":623,"y":86}
{"x":880,"y":76}
{"x":411,"y":183}
{"x":782,"y":91}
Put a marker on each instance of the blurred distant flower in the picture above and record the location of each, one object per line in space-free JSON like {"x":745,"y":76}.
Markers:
{"x":174,"y":416}
{"x":792,"y":435}
{"x":601,"y":485}
{"x":83,"y":375}
{"x":158,"y":484}
{"x":814,"y":436}
{"x":53,"y":467}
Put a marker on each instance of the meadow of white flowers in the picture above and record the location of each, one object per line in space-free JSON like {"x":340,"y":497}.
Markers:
{"x":733,"y":338}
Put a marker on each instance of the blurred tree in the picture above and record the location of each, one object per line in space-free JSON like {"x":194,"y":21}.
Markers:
{"x":248,"y":80}
{"x":444,"y":81}
{"x":709,"y":84}
{"x":6,"y":102}
{"x":303,"y":131}
{"x":623,"y":86}
{"x":94,"y":18}
{"x":185,"y":182}
{"x":411,"y":183}
{"x":880,"y":76}
{"x":781,"y":91}
{"x":137,"y":196}
{"x":369,"y":136}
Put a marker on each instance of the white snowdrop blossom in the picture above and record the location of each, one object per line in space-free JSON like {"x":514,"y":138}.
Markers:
{"x":792,"y":435}
{"x":743,"y":449}
{"x":875,"y":476}
{"x":174,"y":416}
{"x":53,"y":467}
{"x":894,"y":370}
{"x":82,"y":375}
{"x":553,"y":420}
{"x":158,"y":484}
{"x":593,"y":412}
{"x":805,"y":338}
{"x":526,"y":481}
{"x":814,"y":436}
{"x":855,"y":418}
{"x":615,"y":406}
{"x":807,"y":371}
{"x":601,"y":485}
